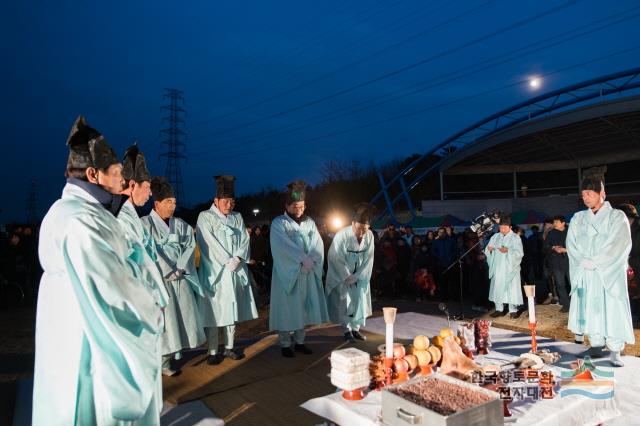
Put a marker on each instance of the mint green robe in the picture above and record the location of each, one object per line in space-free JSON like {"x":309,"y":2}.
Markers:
{"x":175,"y":245}
{"x":97,"y":326}
{"x":599,"y":297}
{"x":349,"y":304}
{"x":228,"y":295}
{"x":144,"y":252}
{"x":297,"y":297}
{"x":504,"y":269}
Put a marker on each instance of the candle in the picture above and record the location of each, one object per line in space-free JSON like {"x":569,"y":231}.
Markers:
{"x":532,"y":310}
{"x":389,"y":315}
{"x":389,"y":341}
{"x":530,"y":291}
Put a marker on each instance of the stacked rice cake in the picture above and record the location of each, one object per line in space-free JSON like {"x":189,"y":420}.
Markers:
{"x":350,"y":369}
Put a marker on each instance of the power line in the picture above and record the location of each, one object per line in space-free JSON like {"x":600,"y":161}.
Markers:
{"x":304,"y":45}
{"x":402,"y":69}
{"x":446,"y":78}
{"x":173,"y":141}
{"x":423,"y":110}
{"x":342,"y":68}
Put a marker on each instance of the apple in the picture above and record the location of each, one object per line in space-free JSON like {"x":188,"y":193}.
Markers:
{"x":412,"y":360}
{"x":400,"y":365}
{"x":398,"y":351}
{"x":421,"y":342}
{"x":424,"y":358}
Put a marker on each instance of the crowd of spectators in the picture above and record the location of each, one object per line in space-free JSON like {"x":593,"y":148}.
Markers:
{"x":425,"y":266}
{"x":19,"y":266}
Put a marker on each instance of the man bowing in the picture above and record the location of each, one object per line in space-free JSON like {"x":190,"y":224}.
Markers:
{"x":349,"y":273}
{"x":297,"y":296}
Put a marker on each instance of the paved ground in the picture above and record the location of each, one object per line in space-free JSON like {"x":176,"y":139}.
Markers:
{"x":17,"y":336}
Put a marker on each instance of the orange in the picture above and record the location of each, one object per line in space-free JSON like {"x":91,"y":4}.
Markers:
{"x":446,"y":332}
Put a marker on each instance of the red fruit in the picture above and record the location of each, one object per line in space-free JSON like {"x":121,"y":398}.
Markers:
{"x":400,"y":365}
{"x":398,"y":351}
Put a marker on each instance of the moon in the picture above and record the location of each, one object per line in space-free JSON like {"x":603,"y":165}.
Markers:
{"x":534,"y":83}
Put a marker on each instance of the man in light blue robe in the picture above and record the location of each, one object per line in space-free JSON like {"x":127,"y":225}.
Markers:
{"x":504,"y":253}
{"x":138,"y":189}
{"x":96,"y":325}
{"x":598,"y":245}
{"x":297,"y":295}
{"x":224,"y":247}
{"x":175,"y":245}
{"x":349,"y":273}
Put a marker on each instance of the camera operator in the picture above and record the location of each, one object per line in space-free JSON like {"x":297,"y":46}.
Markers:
{"x":555,"y":248}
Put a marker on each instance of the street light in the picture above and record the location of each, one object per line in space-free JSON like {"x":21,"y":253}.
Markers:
{"x":256,"y":212}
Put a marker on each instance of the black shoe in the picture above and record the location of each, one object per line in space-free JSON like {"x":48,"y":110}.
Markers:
{"x":303,"y":349}
{"x":233,"y":354}
{"x":348,"y":337}
{"x":515,"y":315}
{"x":564,"y":310}
{"x":597,"y":352}
{"x":497,"y":314}
{"x":358,"y":336}
{"x":287,"y":352}
{"x":215,"y":359}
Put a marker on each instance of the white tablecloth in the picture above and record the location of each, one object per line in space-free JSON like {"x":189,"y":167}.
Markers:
{"x":623,"y":409}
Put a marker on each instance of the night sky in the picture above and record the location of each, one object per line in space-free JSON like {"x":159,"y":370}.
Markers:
{"x":274,"y":89}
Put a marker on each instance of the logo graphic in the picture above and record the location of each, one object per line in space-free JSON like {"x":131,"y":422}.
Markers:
{"x":587,"y":380}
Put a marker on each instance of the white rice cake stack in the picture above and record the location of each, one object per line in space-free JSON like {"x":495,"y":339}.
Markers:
{"x":350,"y":369}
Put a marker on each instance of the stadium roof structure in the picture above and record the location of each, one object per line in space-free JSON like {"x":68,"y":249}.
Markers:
{"x":587,"y":124}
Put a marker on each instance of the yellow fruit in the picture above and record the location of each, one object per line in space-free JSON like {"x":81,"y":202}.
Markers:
{"x":424,"y":358}
{"x":412,"y":360}
{"x":446,"y":332}
{"x":421,"y":343}
{"x":437,"y":341}
{"x":435,"y":354}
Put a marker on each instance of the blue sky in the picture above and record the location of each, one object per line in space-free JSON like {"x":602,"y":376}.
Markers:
{"x":257,"y":75}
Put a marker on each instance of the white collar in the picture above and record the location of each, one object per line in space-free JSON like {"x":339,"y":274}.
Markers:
{"x":160,"y":222}
{"x":215,"y":210}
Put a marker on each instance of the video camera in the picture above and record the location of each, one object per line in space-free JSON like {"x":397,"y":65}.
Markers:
{"x":485,"y":222}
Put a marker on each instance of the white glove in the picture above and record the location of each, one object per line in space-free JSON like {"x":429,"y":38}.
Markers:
{"x":308,"y":263}
{"x":351,"y":279}
{"x":232,"y":264}
{"x":588,"y":265}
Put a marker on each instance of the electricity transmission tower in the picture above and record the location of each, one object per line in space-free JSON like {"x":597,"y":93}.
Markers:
{"x":174,"y":135}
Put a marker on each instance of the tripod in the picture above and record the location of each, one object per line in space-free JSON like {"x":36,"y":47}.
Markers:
{"x":458,"y":261}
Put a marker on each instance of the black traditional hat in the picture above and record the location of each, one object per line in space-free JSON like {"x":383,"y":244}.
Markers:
{"x":364,"y":213}
{"x":505,"y":219}
{"x":134,"y":166}
{"x":88,"y":148}
{"x":225,"y":186}
{"x":296,"y":191}
{"x":593,"y":179}
{"x":161,"y":189}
